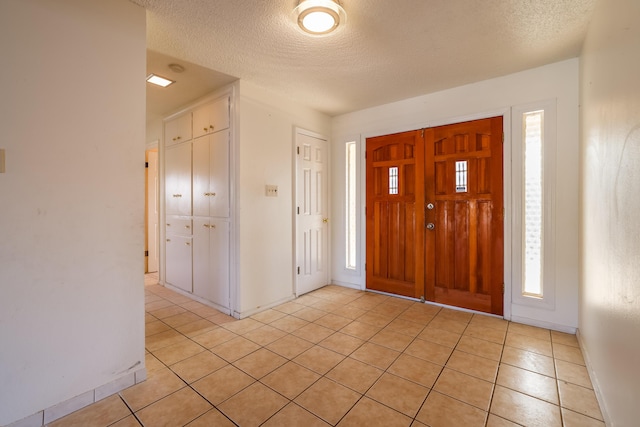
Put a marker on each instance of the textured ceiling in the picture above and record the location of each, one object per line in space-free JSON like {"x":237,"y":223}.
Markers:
{"x":387,"y":51}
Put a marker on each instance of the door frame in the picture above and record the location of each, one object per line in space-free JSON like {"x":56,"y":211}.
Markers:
{"x":507,"y":188}
{"x":294,"y":194}
{"x":151,"y":146}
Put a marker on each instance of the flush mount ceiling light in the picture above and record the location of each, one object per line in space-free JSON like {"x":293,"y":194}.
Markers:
{"x":319,"y":17}
{"x":158,"y":80}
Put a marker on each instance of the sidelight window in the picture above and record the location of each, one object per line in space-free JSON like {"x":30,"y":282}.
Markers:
{"x":534,"y":146}
{"x":533,"y":203}
{"x":350,"y":205}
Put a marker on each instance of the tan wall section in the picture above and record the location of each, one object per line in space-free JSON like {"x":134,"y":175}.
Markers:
{"x":71,"y":200}
{"x":610,"y":257}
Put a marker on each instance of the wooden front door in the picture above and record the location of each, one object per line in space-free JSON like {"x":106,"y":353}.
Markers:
{"x":464,"y":247}
{"x":395,"y":214}
{"x":443,"y":228}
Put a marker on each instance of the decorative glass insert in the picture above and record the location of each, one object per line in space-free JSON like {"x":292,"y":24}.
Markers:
{"x":461,"y":176}
{"x":393,"y":180}
{"x":350,"y":205}
{"x":533,"y":203}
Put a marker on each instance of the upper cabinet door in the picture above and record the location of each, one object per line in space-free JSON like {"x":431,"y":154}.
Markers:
{"x":211,"y":117}
{"x":177,"y":130}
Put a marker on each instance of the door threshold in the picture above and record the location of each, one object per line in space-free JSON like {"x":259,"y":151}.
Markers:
{"x":437,"y":304}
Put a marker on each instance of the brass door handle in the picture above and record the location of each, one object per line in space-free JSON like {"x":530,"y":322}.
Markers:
{"x":325,"y":220}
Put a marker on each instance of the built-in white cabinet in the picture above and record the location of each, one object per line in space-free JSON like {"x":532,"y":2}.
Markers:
{"x":211,"y":174}
{"x":197,"y":201}
{"x":178,"y":129}
{"x":211,"y":259}
{"x":211,"y":117}
{"x":179,"y":253}
{"x":177,"y":179}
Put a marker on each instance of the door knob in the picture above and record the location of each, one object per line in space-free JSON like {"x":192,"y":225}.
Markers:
{"x":431,"y":226}
{"x":430,"y":206}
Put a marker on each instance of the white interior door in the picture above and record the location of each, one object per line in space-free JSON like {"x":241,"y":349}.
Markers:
{"x":312,"y":231}
{"x":153,"y":231}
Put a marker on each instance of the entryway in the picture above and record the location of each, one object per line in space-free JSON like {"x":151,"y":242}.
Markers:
{"x":435,"y":214}
{"x":152,"y":190}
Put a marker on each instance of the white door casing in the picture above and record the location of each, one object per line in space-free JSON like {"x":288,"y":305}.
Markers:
{"x":153,"y":230}
{"x":312,"y":222}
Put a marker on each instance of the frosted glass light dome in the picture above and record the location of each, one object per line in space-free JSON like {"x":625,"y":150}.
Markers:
{"x":319,"y":17}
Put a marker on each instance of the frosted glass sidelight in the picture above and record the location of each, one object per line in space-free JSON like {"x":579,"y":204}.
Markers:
{"x":533,"y":203}
{"x":350,"y":204}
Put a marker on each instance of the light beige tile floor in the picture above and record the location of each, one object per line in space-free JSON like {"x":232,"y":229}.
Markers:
{"x":340,"y":357}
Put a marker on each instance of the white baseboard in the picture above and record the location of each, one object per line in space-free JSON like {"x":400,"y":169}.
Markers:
{"x":594,"y":380}
{"x":248,"y":313}
{"x":48,"y":415}
{"x":347,"y":285}
{"x":543,"y":324}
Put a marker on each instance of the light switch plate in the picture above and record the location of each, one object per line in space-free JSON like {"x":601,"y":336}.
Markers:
{"x":271,"y":190}
{"x":2,"y":170}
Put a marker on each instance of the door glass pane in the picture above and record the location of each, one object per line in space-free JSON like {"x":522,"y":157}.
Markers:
{"x":533,"y":208}
{"x":461,"y":176}
{"x":393,"y":180}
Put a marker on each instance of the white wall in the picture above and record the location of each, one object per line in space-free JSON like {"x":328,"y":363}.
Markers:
{"x":610,"y":255}
{"x":154,"y":131}
{"x":483,"y":99}
{"x":265,"y":224}
{"x":71,"y":200}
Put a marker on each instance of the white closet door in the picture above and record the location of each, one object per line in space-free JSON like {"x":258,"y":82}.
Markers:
{"x":219,"y":174}
{"x":178,"y":179}
{"x":178,"y":262}
{"x":211,"y":260}
{"x":201,"y":191}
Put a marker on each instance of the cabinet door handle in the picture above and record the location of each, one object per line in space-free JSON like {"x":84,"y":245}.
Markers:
{"x":212,"y":226}
{"x":205,"y":225}
{"x":205,"y":129}
{"x":177,"y":195}
{"x":187,"y":243}
{"x":211,"y":127}
{"x":168,"y":240}
{"x":187,"y":226}
{"x":168,"y":225}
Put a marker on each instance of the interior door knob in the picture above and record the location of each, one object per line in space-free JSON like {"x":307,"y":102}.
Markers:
{"x":431,"y":226}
